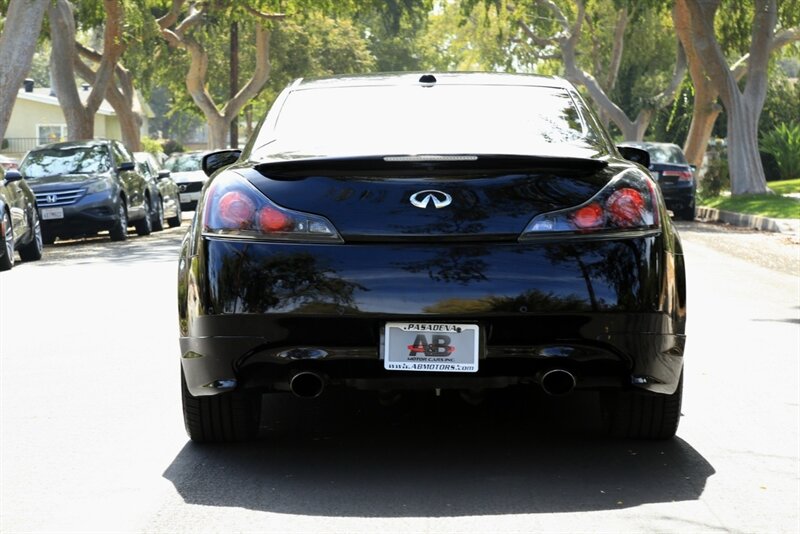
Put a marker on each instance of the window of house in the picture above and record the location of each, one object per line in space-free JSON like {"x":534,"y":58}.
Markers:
{"x":51,"y":133}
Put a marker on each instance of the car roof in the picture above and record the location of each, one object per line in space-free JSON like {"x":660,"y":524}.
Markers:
{"x":645,"y":144}
{"x":441,"y":78}
{"x":73,"y":144}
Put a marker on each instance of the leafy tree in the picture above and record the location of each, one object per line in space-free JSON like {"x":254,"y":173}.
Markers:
{"x":713,"y":76}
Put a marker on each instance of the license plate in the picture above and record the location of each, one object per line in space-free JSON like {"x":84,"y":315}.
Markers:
{"x":189,"y":197}
{"x":51,"y":213}
{"x":433,"y":347}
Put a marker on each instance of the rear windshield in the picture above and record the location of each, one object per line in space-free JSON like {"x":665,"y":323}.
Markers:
{"x":445,"y":119}
{"x":666,"y":154}
{"x":184,"y":162}
{"x":67,"y":160}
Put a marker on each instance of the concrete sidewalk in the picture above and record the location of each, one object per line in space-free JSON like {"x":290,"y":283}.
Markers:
{"x":765,"y":224}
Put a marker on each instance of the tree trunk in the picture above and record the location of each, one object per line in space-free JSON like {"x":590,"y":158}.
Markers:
{"x":217,"y":131}
{"x":744,"y":161}
{"x":64,"y":57}
{"x":704,"y":115}
{"x":17,"y":45}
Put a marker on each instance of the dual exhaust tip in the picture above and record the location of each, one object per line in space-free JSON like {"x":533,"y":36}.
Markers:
{"x":310,"y":385}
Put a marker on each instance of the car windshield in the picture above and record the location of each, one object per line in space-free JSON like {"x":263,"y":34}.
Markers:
{"x":666,"y":154}
{"x":67,"y":160}
{"x":184,"y":162}
{"x":445,"y":119}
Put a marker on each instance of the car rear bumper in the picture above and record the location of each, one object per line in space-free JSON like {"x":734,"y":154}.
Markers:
{"x":254,"y":314}
{"x":84,"y":218}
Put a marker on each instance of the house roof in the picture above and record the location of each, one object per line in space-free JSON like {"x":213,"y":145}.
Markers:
{"x":44,"y":96}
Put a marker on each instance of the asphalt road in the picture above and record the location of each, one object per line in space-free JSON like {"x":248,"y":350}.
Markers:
{"x":92,"y":438}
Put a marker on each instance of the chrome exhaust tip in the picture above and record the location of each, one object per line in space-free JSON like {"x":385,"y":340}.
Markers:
{"x":306,"y":385}
{"x":557,"y":382}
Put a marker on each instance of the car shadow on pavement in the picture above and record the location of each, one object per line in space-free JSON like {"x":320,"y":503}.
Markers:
{"x":157,"y":247}
{"x":437,"y":457}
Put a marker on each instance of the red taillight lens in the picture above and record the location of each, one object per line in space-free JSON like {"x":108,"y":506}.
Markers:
{"x":628,"y":202}
{"x":236,"y":210}
{"x":625,"y":207}
{"x":589,"y":216}
{"x":683,"y":176}
{"x":270,"y":220}
{"x":233,"y":207}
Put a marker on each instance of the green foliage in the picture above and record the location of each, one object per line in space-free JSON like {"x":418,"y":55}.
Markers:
{"x":776,"y":206}
{"x":154,"y":146}
{"x":785,"y":187}
{"x":717,"y":177}
{"x":171,"y":146}
{"x":784,"y":143}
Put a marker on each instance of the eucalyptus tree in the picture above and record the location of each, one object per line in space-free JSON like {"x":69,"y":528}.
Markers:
{"x":573,"y":34}
{"x":715,"y":75}
{"x":64,"y":56}
{"x":22,"y":24}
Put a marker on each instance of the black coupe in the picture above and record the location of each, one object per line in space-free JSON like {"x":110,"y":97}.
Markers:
{"x":431,"y":231}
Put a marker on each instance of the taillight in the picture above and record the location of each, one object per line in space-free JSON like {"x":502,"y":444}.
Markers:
{"x":626,"y":203}
{"x":683,"y":176}
{"x":235,"y":208}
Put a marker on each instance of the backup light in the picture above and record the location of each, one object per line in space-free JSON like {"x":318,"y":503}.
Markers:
{"x":235,"y":208}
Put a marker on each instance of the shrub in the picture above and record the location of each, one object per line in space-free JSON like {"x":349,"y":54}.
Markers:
{"x":154,"y":146}
{"x":716,"y":178}
{"x":771,"y":169}
{"x":784,"y":143}
{"x":173,"y":146}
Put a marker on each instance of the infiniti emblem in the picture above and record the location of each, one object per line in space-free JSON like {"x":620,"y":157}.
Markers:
{"x":422,"y":199}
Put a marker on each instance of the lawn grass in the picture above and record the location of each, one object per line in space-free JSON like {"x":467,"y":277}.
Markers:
{"x":775,"y":206}
{"x":784,"y":187}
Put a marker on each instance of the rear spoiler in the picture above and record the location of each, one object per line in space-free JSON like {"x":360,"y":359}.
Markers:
{"x":405,"y":165}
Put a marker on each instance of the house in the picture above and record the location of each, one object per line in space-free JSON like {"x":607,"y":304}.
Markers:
{"x":37,"y":119}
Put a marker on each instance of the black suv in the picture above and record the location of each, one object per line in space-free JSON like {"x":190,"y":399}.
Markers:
{"x":85,"y":187}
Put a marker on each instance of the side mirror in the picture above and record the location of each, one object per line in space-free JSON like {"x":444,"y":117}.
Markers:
{"x":164,"y":173}
{"x":217,"y":160}
{"x":636,"y":155}
{"x":693,"y":167}
{"x":13,"y":175}
{"x":126,"y":166}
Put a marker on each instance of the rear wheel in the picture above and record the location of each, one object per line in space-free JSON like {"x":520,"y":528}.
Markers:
{"x":7,"y":259}
{"x":175,"y":221}
{"x":120,"y":230}
{"x":144,"y":226}
{"x":33,"y":251}
{"x":158,"y":216}
{"x":687,"y":214}
{"x":232,"y":416}
{"x":645,"y":415}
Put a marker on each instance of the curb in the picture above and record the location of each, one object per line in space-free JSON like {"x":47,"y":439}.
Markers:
{"x":765,"y":224}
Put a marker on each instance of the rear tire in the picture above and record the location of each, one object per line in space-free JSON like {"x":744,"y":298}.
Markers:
{"x":144,"y":226}
{"x":33,"y":251}
{"x":120,"y":230}
{"x":7,"y":259}
{"x":174,"y":222}
{"x":227,"y":417}
{"x":645,"y":415}
{"x":687,"y":214}
{"x":158,"y":216}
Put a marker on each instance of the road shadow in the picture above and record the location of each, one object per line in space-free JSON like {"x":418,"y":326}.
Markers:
{"x":437,"y":457}
{"x":157,"y":247}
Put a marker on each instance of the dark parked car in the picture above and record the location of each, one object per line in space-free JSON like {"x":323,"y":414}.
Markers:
{"x":441,"y":232}
{"x":19,"y":222}
{"x":187,"y":171}
{"x":673,"y":173}
{"x":164,"y":188}
{"x":85,"y":187}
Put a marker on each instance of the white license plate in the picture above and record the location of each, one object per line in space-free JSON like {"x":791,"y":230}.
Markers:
{"x":433,"y":347}
{"x":51,"y":213}
{"x":190,"y":197}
